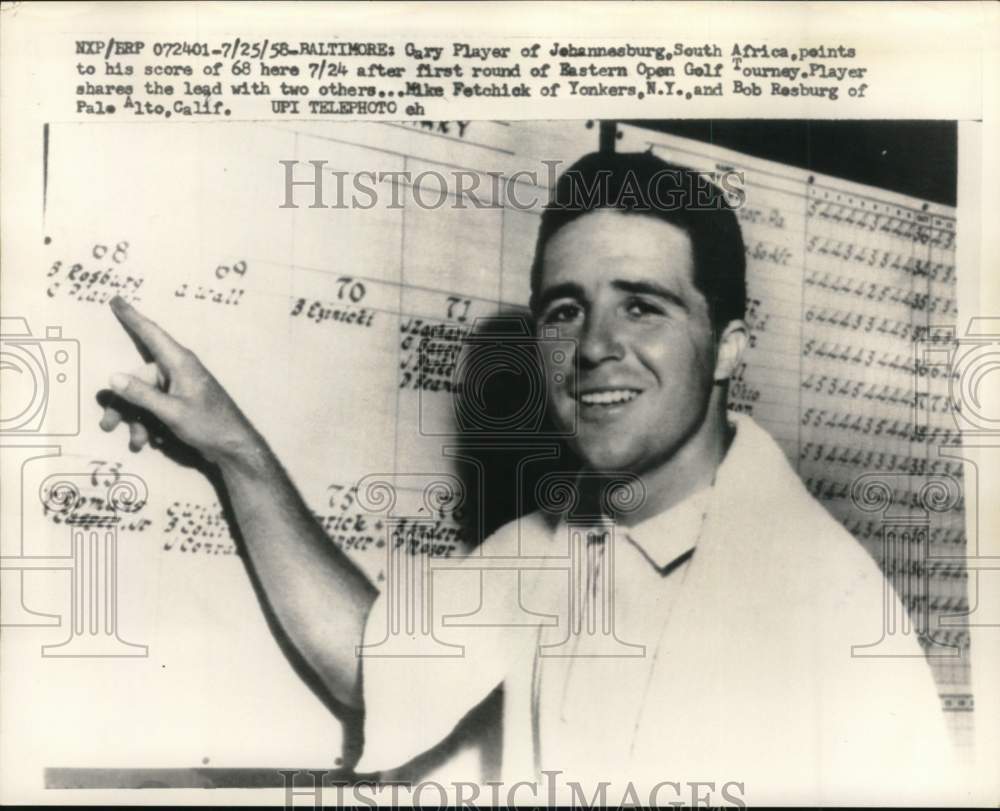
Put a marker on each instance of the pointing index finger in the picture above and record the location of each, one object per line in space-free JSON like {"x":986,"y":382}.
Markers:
{"x":164,"y":349}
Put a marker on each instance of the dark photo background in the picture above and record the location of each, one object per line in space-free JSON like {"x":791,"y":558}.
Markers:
{"x":917,"y":158}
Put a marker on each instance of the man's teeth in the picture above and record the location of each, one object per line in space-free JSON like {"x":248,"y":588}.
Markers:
{"x":608,"y":397}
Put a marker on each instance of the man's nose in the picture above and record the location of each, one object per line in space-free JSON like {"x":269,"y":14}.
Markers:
{"x":599,"y":341}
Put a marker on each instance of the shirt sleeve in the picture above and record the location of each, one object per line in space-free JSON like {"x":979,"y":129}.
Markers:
{"x":422,"y":672}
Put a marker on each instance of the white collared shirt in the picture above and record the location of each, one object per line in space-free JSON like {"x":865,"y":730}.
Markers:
{"x":590,"y":691}
{"x":753,"y":672}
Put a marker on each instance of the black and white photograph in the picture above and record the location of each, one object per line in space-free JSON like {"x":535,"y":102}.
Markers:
{"x":549,"y":411}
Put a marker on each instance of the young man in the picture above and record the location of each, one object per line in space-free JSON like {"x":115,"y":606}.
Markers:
{"x":705,"y":633}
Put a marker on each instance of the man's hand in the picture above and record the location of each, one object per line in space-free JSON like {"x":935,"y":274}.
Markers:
{"x":320,"y":597}
{"x":179,"y":392}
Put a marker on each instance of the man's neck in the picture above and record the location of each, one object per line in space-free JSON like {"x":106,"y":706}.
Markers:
{"x":689,"y":469}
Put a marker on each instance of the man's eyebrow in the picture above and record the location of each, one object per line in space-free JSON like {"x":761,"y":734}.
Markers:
{"x":562,"y":290}
{"x":649,"y":288}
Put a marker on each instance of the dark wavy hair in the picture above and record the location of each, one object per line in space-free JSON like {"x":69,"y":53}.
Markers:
{"x":640,"y":183}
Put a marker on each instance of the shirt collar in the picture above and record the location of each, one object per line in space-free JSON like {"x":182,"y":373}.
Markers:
{"x":667,"y":537}
{"x":673,"y":533}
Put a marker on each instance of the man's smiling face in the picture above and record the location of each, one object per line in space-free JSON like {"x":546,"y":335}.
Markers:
{"x":622,"y":287}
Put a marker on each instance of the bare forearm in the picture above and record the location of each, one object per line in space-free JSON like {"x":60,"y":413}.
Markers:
{"x":320,"y":597}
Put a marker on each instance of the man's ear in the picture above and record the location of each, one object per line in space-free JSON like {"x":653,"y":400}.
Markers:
{"x":733,"y":342}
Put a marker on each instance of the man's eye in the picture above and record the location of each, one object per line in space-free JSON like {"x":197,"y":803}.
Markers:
{"x":639,"y":307}
{"x":562,"y":313}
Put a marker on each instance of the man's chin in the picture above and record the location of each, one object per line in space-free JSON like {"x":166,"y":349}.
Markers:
{"x":607,"y":459}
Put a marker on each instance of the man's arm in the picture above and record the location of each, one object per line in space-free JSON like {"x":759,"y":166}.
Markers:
{"x":317,"y":593}
{"x":320,"y":597}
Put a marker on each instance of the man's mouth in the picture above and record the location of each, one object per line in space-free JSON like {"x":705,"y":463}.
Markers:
{"x":607,"y":397}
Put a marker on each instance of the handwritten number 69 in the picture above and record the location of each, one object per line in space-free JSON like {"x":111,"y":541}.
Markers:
{"x":239,"y":268}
